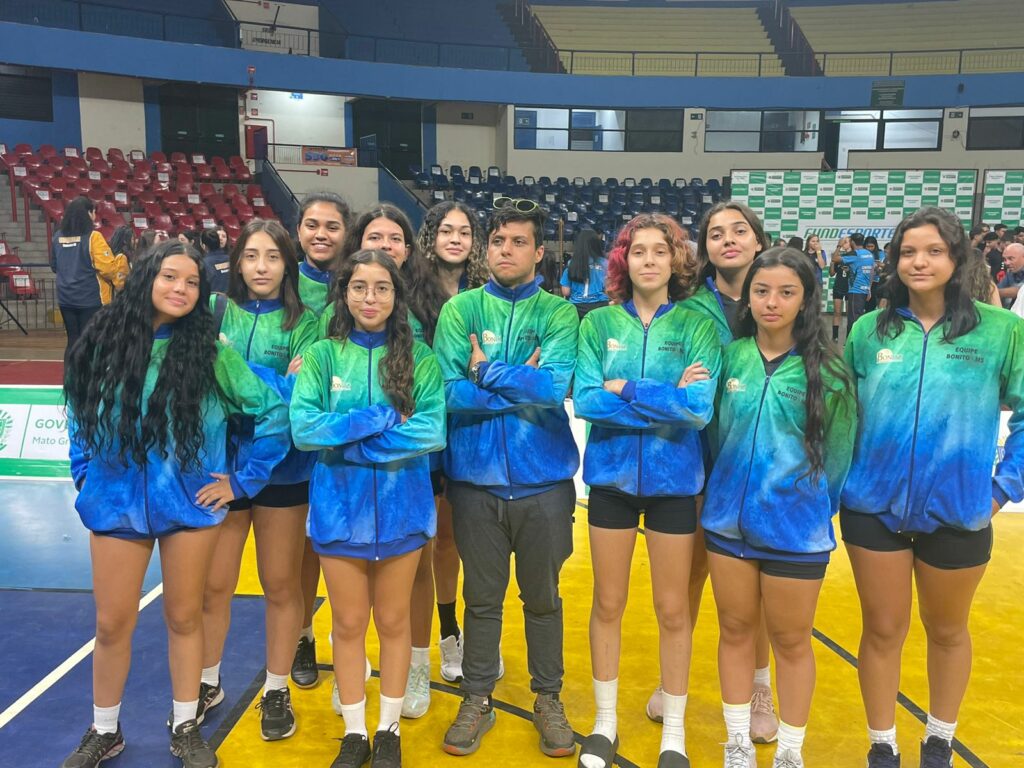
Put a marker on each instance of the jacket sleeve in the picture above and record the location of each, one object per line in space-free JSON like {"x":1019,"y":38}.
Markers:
{"x":78,"y":453}
{"x":1008,"y":482}
{"x":314,"y":424}
{"x":108,"y":266}
{"x":423,"y":432}
{"x":840,"y":437}
{"x":304,"y":334}
{"x":244,"y":393}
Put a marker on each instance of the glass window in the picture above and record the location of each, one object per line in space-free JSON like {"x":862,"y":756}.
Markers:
{"x":911,"y":135}
{"x":654,"y":141}
{"x":732,"y":141}
{"x":995,"y":132}
{"x":853,"y":114}
{"x":551,"y":140}
{"x":655,"y":119}
{"x":604,"y":130}
{"x":552,"y":118}
{"x":732,"y":120}
{"x":911,"y":114}
{"x":997,"y":112}
{"x":789,"y":141}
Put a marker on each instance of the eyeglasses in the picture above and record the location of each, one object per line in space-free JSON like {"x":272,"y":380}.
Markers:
{"x":518,"y":203}
{"x":381,"y":291}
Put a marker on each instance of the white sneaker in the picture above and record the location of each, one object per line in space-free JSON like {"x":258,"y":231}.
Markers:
{"x":788,"y":758}
{"x":739,"y":753}
{"x":417,"y":692}
{"x":451,"y":658}
{"x":336,"y":697}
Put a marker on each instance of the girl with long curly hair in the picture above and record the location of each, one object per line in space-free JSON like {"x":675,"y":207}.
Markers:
{"x":149,"y":394}
{"x":371,"y":400}
{"x":782,"y":440}
{"x":453,"y":245}
{"x":645,"y":380}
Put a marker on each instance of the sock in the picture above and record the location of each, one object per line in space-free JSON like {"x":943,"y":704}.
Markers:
{"x":105,"y":718}
{"x":936,"y":727}
{"x":307,"y":632}
{"x":420,"y":657}
{"x":790,"y":737}
{"x":355,"y":717}
{"x":211,"y":675}
{"x":737,"y":721}
{"x":887,"y":736}
{"x":184,"y":711}
{"x":606,"y":694}
{"x":446,"y":617}
{"x":275,"y":682}
{"x":673,"y":735}
{"x":763,"y":676}
{"x":390,"y":713}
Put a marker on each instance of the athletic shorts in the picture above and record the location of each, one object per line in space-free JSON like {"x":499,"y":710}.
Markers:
{"x":609,"y":508}
{"x":274,"y":497}
{"x":945,"y":548}
{"x":784,"y":569}
{"x":437,"y":482}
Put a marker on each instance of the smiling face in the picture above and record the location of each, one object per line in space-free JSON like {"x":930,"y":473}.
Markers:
{"x":175,"y":289}
{"x":370,"y":297}
{"x":512,"y":253}
{"x":454,"y":238}
{"x":924,"y":265}
{"x":386,"y":235}
{"x":731,"y":241}
{"x":321,"y":233}
{"x":776,"y":298}
{"x":262,"y":266}
{"x":649,"y":261}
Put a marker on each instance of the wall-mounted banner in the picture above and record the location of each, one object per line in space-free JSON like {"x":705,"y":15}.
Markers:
{"x":1002,"y":199}
{"x":33,"y":433}
{"x":329,"y":156}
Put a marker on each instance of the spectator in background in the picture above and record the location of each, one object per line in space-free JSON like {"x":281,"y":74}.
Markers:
{"x":583,"y":280}
{"x":993,"y":253}
{"x":815,"y":253}
{"x":841,"y":283}
{"x":978,"y":231}
{"x":1018,"y":235}
{"x":147,"y":239}
{"x":216,"y":261}
{"x":999,"y":229}
{"x":123,"y":243}
{"x":778,"y":242}
{"x":871,"y":244}
{"x":1010,"y":285}
{"x":862,"y":269}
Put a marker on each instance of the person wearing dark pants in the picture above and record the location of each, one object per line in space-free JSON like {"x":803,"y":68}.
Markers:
{"x":507,"y":352}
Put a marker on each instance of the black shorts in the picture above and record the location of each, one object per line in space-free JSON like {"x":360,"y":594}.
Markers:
{"x":437,"y":482}
{"x":609,"y":508}
{"x":945,"y":548}
{"x":274,"y":497}
{"x":783,"y":569}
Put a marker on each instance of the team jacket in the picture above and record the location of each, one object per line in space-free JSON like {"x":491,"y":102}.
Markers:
{"x":509,"y":435}
{"x":314,"y":286}
{"x":706,"y":301}
{"x":930,"y":422}
{"x":254,"y":330}
{"x":159,"y":497}
{"x":759,"y":494}
{"x":370,"y":496}
{"x":87,"y":272}
{"x":645,"y":442}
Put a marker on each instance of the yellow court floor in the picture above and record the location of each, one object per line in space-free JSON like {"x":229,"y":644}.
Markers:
{"x":991,"y":720}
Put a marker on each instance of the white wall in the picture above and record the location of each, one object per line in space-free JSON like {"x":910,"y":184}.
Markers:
{"x":467,"y":141}
{"x":357,"y":185}
{"x":113,"y":112}
{"x":288,"y":36}
{"x":313,"y":120}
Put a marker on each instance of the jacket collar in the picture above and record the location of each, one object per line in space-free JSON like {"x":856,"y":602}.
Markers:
{"x":262,"y":306}
{"x":518,"y":293}
{"x":630,"y":307}
{"x":314,"y":273}
{"x":164,"y":331}
{"x":368,"y":340}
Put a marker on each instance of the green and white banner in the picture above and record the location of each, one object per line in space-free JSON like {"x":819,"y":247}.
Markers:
{"x":33,"y":433}
{"x":1002,"y":198}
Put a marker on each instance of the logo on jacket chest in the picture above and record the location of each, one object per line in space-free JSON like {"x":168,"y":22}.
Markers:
{"x":340,"y":385}
{"x":887,"y":356}
{"x":528,"y":336}
{"x":970,"y":355}
{"x":489,"y":338}
{"x":614,"y":345}
{"x":734,"y":385}
{"x":672,"y":347}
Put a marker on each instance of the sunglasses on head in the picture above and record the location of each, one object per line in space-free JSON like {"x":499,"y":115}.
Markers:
{"x":518,"y":203}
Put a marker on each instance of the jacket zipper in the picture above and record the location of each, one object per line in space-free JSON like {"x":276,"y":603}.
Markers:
{"x":376,"y":515}
{"x":913,"y":442}
{"x":252,"y":333}
{"x":750,"y":464}
{"x":640,"y":433}
{"x":504,"y":436}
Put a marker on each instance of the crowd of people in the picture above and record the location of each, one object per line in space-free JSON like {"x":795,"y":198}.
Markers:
{"x":388,"y":406}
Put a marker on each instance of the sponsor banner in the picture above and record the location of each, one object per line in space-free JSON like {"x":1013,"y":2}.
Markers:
{"x":329,"y":156}
{"x":1003,"y":198}
{"x":33,"y":433}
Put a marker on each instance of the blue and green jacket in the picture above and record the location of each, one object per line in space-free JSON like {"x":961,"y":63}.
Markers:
{"x":159,"y":497}
{"x":254,"y":329}
{"x":929,"y":421}
{"x":510,"y":434}
{"x":707,"y":301}
{"x":370,"y":496}
{"x":646,"y":441}
{"x":760,"y":496}
{"x":314,"y":286}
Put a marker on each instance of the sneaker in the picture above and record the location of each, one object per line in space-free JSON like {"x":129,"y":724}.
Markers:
{"x":209,"y":697}
{"x":417,"y":692}
{"x":188,"y":744}
{"x":883,"y":756}
{"x":475,"y":718}
{"x":936,"y":752}
{"x":788,"y":758}
{"x":387,"y":749}
{"x":354,"y":752}
{"x":556,"y":736}
{"x":304,"y":670}
{"x":336,"y":697}
{"x":764,"y":725}
{"x":654,"y":706}
{"x":672,"y":759}
{"x":95,"y":748}
{"x":451,"y":658}
{"x":277,"y":718}
{"x":739,"y":753}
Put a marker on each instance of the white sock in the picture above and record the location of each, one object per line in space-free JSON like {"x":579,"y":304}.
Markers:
{"x":790,"y":737}
{"x":105,"y":718}
{"x":936,"y":727}
{"x":390,"y":713}
{"x":184,"y":711}
{"x":355,"y":717}
{"x":307,"y":632}
{"x":887,"y":736}
{"x":211,"y":675}
{"x":673,"y":735}
{"x":420,"y":657}
{"x":606,"y":694}
{"x":737,"y":721}
{"x":763,"y":676}
{"x":275,"y":682}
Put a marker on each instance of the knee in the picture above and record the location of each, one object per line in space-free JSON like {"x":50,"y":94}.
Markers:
{"x":946,"y":635}
{"x":183,"y":620}
{"x":885,"y":632}
{"x":282,"y":591}
{"x":391,"y":623}
{"x":112,"y":629}
{"x":791,"y":645}
{"x":608,"y":608}
{"x":349,"y":624}
{"x":542,"y":602}
{"x":673,"y":615}
{"x":734,"y":629}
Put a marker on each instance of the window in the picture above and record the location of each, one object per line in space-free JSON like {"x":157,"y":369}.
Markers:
{"x":601,"y":130}
{"x":26,"y":94}
{"x":882,"y":129}
{"x":996,"y":128}
{"x":769,"y":131}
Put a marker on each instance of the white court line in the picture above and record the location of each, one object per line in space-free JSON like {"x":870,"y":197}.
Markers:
{"x":64,"y":667}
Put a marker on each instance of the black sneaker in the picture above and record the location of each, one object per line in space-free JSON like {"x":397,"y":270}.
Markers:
{"x":936,"y":753}
{"x":188,"y":744}
{"x":304,"y":670}
{"x":882,"y":756}
{"x":354,"y":752}
{"x":95,"y":748}
{"x":277,"y":719}
{"x":387,"y":749}
{"x":209,"y":697}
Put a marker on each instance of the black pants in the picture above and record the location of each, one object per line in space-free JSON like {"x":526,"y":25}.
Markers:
{"x":75,"y":320}
{"x":854,"y":309}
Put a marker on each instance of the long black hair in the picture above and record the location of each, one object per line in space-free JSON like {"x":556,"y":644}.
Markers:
{"x":476,"y":270}
{"x":961,"y":314}
{"x":106,"y":375}
{"x":812,"y":343}
{"x":586,"y":250}
{"x":76,"y":219}
{"x":704,"y":266}
{"x":396,"y":367}
{"x":238,"y":291}
{"x":123,"y":241}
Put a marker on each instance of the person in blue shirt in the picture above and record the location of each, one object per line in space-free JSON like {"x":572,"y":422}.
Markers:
{"x":583,"y":280}
{"x":861,"y":265}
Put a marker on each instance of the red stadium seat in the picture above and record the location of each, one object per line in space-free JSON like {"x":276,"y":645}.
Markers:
{"x":146,"y":196}
{"x":99,"y":164}
{"x":178,"y":157}
{"x":47,"y":150}
{"x":119,"y":176}
{"x":163,"y":221}
{"x":134,"y":189}
{"x":242,"y":174}
{"x":114,"y":154}
{"x":253,"y":191}
{"x":152,"y":210}
{"x":93,"y":153}
{"x":204,"y":172}
{"x":206,"y":189}
{"x":266,"y":212}
{"x":158,"y":157}
{"x":229,"y":191}
{"x":58,"y":186}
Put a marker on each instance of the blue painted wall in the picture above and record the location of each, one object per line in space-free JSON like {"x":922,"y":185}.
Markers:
{"x":154,"y":136}
{"x":429,"y":123}
{"x":66,"y":128}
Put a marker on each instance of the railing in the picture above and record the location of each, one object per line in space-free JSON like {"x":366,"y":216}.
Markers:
{"x":279,"y":195}
{"x":539,"y":37}
{"x":30,"y":311}
{"x":309,"y":154}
